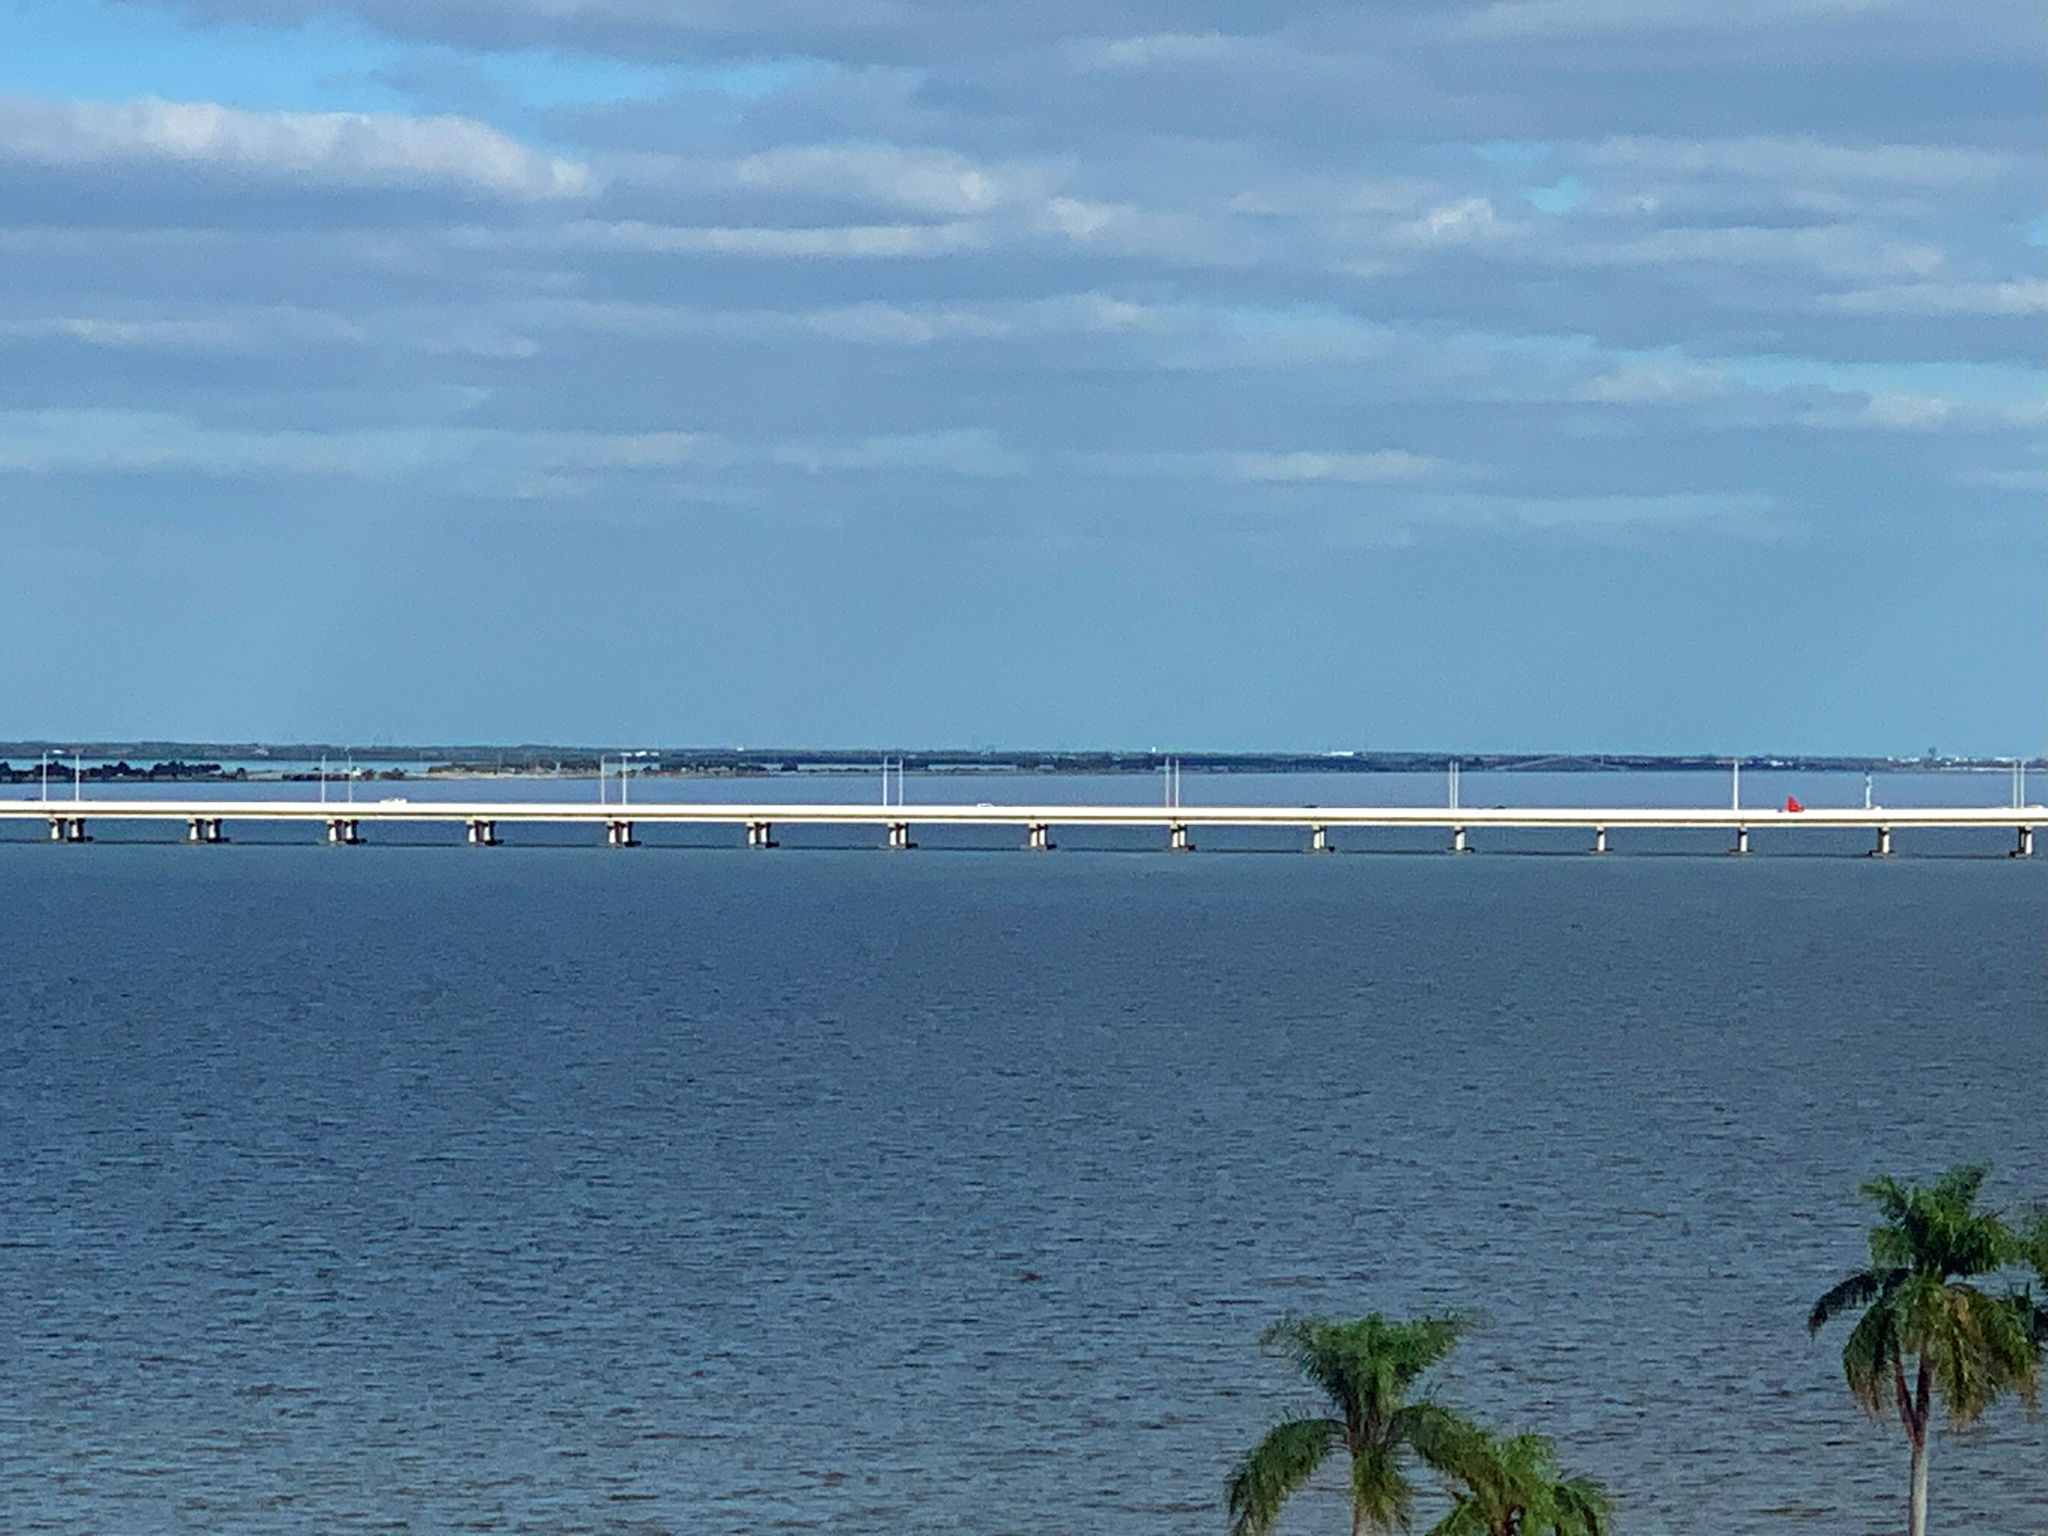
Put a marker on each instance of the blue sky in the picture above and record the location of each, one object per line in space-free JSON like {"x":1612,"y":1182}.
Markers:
{"x":1535,"y":374}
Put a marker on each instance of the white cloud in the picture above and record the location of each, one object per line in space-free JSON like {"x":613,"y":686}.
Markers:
{"x":1836,"y":250}
{"x":1330,"y":468}
{"x":329,"y":148}
{"x":1127,"y":229}
{"x":102,"y":441}
{"x":1654,"y":386}
{"x":1467,"y":221}
{"x":1936,"y":298}
{"x":1512,"y":19}
{"x":1742,"y":514}
{"x":872,"y":322}
{"x":137,"y":335}
{"x":620,"y":450}
{"x":1804,"y":159}
{"x":1158,"y":49}
{"x":1904,"y":412}
{"x":974,"y":452}
{"x":2029,"y":482}
{"x":1909,"y":413}
{"x":116,"y":441}
{"x":1383,"y":466}
{"x":931,"y":181}
{"x":797,"y":242}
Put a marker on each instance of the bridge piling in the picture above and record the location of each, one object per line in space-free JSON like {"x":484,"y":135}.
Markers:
{"x":899,"y":837}
{"x":2024,"y":848}
{"x":1459,"y":842}
{"x":1883,"y":850}
{"x":68,"y":829}
{"x":1599,"y":839}
{"x":203,"y":829}
{"x":482,"y":833}
{"x":1741,"y":841}
{"x":760,"y":834}
{"x":1038,"y":837}
{"x":1319,"y":839}
{"x":619,"y":834}
{"x":1177,"y":838}
{"x":343,"y":831}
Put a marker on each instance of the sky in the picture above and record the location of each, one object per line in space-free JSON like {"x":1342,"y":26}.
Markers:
{"x":1431,"y":374}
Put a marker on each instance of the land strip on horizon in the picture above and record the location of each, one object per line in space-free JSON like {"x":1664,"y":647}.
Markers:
{"x":174,"y":761}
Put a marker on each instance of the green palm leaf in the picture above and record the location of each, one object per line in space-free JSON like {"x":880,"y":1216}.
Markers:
{"x":1512,"y":1486}
{"x":1859,"y":1290}
{"x":1272,"y":1470}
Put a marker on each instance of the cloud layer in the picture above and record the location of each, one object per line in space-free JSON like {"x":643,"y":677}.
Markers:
{"x":1115,"y":287}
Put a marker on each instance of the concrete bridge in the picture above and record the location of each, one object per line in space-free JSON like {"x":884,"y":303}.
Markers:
{"x":344,"y":822}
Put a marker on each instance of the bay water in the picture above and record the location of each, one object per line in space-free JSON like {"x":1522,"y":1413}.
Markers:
{"x":557,"y":1189}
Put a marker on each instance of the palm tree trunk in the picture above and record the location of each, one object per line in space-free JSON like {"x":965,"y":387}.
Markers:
{"x":1916,"y":1432}
{"x":1916,"y":1516}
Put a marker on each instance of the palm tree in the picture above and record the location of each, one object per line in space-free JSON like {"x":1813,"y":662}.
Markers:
{"x":2033,"y":1247}
{"x":1365,"y":1370}
{"x":1926,"y":1332}
{"x":1512,"y":1486}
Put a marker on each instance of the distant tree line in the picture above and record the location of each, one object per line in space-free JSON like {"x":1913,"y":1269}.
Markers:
{"x":174,"y":771}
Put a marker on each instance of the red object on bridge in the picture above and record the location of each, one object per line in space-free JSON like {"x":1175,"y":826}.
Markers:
{"x":1793,"y":805}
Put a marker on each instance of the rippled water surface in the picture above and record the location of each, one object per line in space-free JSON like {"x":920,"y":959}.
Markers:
{"x":563,"y":1190}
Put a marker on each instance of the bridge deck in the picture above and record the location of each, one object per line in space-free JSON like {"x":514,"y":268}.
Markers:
{"x":736,"y":813}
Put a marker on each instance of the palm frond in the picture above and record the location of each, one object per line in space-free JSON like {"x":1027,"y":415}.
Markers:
{"x":1870,"y":1356}
{"x":1464,"y":1519}
{"x":1365,"y":1367}
{"x":1859,"y":1290}
{"x":1437,"y":1434}
{"x":1380,"y":1490}
{"x":1978,"y":1346}
{"x":1285,"y":1457}
{"x":1582,"y":1506}
{"x":1889,"y":1196}
{"x":1307,"y":1344}
{"x":2031,"y":1246}
{"x":1958,"y":1187}
{"x":1514,"y":1483}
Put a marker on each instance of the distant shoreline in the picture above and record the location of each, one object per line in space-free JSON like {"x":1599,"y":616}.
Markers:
{"x":146,"y":762}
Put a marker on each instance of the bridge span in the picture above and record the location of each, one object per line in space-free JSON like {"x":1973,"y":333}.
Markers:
{"x":206,"y":820}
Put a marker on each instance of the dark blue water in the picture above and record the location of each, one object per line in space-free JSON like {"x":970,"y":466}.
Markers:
{"x":563,"y":1190}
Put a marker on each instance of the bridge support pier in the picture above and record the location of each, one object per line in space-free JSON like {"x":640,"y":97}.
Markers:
{"x":1459,"y":842}
{"x":1883,"y":850}
{"x":2024,"y":847}
{"x":343,"y":830}
{"x":1038,"y":837}
{"x":68,"y":829}
{"x":760,"y":834}
{"x":1177,"y":838}
{"x":1319,"y":840}
{"x":899,"y":837}
{"x":1741,"y":840}
{"x":619,"y":834}
{"x":1599,"y":839}
{"x":483,"y":833}
{"x":203,"y":829}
